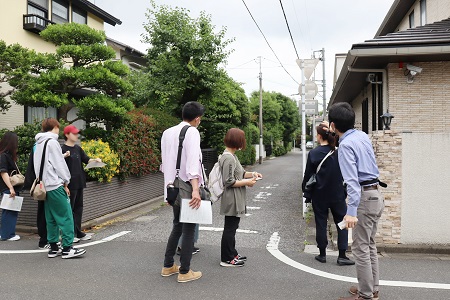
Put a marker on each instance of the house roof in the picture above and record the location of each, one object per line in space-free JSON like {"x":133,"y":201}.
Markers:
{"x":94,"y":9}
{"x":395,"y":15}
{"x":425,"y":43}
{"x":125,"y":47}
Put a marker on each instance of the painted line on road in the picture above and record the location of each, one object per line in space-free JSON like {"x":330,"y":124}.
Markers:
{"x":104,"y":240}
{"x":272,"y":247}
{"x":253,"y":207}
{"x":216,"y":229}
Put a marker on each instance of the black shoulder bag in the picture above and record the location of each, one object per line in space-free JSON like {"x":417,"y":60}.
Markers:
{"x":173,"y":188}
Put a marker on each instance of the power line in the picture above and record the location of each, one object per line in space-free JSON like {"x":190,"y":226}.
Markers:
{"x":253,"y":60}
{"x":298,"y":22}
{"x":289,"y":29}
{"x":268,"y":44}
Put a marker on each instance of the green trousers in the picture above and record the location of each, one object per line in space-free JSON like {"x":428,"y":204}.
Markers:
{"x":59,"y":217}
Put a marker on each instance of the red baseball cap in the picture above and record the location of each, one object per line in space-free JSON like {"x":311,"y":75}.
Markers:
{"x":71,"y":129}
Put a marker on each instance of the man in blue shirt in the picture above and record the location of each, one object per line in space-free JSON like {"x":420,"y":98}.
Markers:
{"x":365,"y":202}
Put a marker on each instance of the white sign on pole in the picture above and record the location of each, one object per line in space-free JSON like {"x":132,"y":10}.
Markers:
{"x":311,"y":89}
{"x":309,"y":65}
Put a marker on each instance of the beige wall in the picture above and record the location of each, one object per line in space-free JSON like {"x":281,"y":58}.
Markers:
{"x":424,"y":105}
{"x":437,"y":10}
{"x":11,"y":22}
{"x":95,"y":22}
{"x":426,"y":189}
{"x":14,"y":117}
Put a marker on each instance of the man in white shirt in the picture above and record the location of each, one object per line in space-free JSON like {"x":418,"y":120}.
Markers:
{"x":190,"y":178}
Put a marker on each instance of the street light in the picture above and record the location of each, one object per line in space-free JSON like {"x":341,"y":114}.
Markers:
{"x":387,"y":119}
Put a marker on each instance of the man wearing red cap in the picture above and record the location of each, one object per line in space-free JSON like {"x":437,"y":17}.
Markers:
{"x":75,"y":157}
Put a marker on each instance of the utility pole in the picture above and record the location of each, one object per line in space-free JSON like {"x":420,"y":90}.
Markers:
{"x":260,"y":113}
{"x":303,"y":92}
{"x":324,"y":86}
{"x":324,"y":82}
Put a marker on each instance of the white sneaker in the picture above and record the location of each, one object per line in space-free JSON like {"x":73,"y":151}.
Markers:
{"x":76,"y":240}
{"x":72,"y":252}
{"x":87,"y":237}
{"x":14,"y":238}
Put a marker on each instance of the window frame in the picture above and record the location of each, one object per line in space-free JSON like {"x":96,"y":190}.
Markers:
{"x":79,"y":11}
{"x":37,"y":6}
{"x":411,"y":20}
{"x":59,"y":18}
{"x":423,"y":12}
{"x":365,"y":116}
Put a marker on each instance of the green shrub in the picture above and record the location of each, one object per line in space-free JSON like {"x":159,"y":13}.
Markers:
{"x":136,"y":143}
{"x":100,"y":149}
{"x":248,"y":155}
{"x":279,"y":150}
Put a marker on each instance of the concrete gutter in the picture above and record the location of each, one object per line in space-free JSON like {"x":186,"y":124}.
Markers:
{"x":102,"y":219}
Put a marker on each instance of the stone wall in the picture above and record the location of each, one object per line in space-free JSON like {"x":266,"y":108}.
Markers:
{"x":388,"y":151}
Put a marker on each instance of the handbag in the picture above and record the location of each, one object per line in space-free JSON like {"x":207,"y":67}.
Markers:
{"x":17,"y":179}
{"x":37,"y":190}
{"x":309,"y":186}
{"x":173,"y":188}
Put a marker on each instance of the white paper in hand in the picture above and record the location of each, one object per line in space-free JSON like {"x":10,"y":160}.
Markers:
{"x":9,"y":203}
{"x":342,"y":225}
{"x":202,"y":215}
{"x":95,"y":164}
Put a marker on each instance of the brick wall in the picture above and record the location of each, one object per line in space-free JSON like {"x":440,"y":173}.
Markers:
{"x":424,"y":105}
{"x":388,"y":151}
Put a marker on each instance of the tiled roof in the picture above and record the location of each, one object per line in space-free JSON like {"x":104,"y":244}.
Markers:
{"x":428,"y":35}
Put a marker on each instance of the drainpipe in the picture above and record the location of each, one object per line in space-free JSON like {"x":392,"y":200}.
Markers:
{"x":384,"y":81}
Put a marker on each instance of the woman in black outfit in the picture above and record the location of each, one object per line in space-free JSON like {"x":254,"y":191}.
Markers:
{"x":8,"y":166}
{"x":328,"y":193}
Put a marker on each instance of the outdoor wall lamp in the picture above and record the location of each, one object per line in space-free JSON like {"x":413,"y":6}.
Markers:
{"x":387,"y":119}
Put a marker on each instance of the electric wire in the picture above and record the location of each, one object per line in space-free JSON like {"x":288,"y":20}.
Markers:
{"x":268,"y":44}
{"x":289,"y":29}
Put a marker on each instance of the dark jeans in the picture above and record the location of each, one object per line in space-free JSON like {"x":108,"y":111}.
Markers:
{"x":187,"y":230}
{"x":76,"y":202}
{"x":228,"y":245}
{"x":41,"y":224}
{"x":9,"y":221}
{"x":338,"y":210}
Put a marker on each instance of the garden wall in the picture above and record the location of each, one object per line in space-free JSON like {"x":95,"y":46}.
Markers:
{"x":104,"y":198}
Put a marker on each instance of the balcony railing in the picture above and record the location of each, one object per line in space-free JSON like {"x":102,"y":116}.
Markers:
{"x":35,"y":23}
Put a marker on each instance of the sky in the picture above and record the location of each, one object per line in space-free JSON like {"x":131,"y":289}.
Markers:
{"x":315,"y":24}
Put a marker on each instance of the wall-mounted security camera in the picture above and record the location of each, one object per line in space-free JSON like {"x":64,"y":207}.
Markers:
{"x":411,"y":71}
{"x":372,"y":78}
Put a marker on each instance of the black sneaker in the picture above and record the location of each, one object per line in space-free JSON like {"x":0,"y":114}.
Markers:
{"x":232,"y":263}
{"x":72,"y":252}
{"x":54,"y":253}
{"x":195,"y":250}
{"x":240,"y":257}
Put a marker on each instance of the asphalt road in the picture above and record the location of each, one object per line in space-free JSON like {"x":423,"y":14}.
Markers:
{"x":129,"y":266}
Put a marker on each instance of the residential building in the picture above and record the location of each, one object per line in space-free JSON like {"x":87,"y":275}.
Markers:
{"x":22,"y":20}
{"x":405,"y":70}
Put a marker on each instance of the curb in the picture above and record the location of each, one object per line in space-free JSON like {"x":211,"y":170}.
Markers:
{"x":102,"y":219}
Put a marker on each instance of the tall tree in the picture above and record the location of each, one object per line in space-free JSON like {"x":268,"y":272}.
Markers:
{"x":90,"y":79}
{"x":183,"y":57}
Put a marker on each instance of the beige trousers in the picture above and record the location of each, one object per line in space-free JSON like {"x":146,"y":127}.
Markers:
{"x":364,"y":248}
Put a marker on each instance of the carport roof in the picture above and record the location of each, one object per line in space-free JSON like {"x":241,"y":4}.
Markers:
{"x":425,"y":43}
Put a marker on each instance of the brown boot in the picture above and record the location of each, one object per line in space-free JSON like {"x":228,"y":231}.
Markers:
{"x":354,"y":291}
{"x":166,"y":272}
{"x":189,"y":276}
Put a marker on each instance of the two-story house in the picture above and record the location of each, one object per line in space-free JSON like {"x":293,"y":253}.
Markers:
{"x":405,"y":70}
{"x":22,"y":20}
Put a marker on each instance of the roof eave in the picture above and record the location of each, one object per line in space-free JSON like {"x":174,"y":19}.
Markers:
{"x":94,"y":9}
{"x":394,"y":16}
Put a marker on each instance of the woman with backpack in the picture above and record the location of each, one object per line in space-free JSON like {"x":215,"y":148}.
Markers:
{"x":233,"y":200}
{"x":8,"y":167}
{"x":328,"y":193}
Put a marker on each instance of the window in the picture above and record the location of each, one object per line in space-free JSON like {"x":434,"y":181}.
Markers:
{"x":78,"y":15}
{"x":60,"y":11}
{"x":365,"y":115}
{"x":423,"y":12}
{"x":411,"y":20}
{"x":374,"y":107}
{"x":38,"y":7}
{"x":37,"y":114}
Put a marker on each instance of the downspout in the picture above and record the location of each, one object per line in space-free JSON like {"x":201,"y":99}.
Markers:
{"x":384,"y":81}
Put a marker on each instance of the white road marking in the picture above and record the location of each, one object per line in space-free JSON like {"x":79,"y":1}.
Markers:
{"x":253,"y":207}
{"x":221,"y":229}
{"x":248,"y":215}
{"x":106,"y":239}
{"x":257,"y":200}
{"x":272,"y":247}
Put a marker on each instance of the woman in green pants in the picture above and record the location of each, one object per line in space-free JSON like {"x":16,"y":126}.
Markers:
{"x":56,"y":177}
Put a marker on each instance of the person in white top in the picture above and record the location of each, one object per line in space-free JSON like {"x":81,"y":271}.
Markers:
{"x":190,"y":178}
